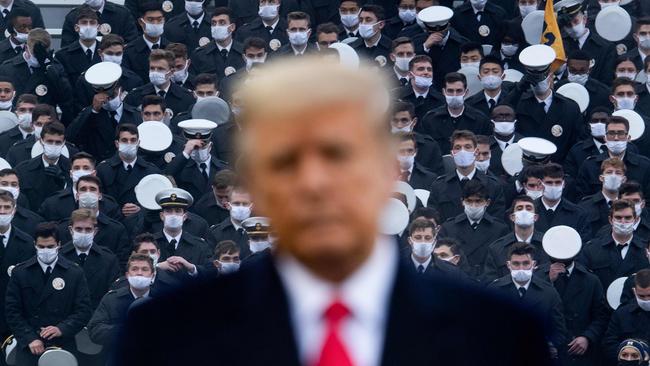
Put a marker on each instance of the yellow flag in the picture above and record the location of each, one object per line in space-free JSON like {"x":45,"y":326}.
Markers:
{"x":551,"y":35}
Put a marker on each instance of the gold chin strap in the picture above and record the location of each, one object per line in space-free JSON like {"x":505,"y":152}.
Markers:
{"x":7,"y":341}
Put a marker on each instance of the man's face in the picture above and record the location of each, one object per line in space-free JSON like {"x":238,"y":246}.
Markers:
{"x":222,"y":19}
{"x":520,"y":262}
{"x":90,"y":187}
{"x":527,"y":2}
{"x":463,"y":144}
{"x":642,"y":293}
{"x":152,"y":112}
{"x":578,"y":66}
{"x":309,"y":174}
{"x":23,"y":24}
{"x":7,"y":91}
{"x":491,"y":69}
{"x":524,"y":206}
{"x":367,"y":17}
{"x":9,"y":180}
{"x":349,"y":7}
{"x":609,"y":170}
{"x":503,"y":114}
{"x":534,"y":184}
{"x":239,"y":199}
{"x":598,"y":117}
{"x":553,"y":182}
{"x":46,"y":243}
{"x":172,"y":211}
{"x":616,"y":132}
{"x":422,"y":236}
{"x":126,"y":137}
{"x":222,"y":195}
{"x":326,"y":39}
{"x":139,"y":268}
{"x":300,"y":25}
{"x":455,"y":88}
{"x":470,"y":56}
{"x":114,"y":50}
{"x":160,"y":66}
{"x":50,"y":139}
{"x":626,"y":215}
{"x":402,"y":119}
{"x":254,"y":53}
{"x":269,"y":2}
{"x":624,"y":91}
{"x":626,"y":67}
{"x":423,"y":69}
{"x":643,"y":32}
{"x":634,"y":197}
{"x":404,"y":50}
{"x":484,"y":152}
{"x":6,"y":207}
{"x":86,"y":226}
{"x":180,"y":63}
{"x":148,"y":249}
{"x":232,"y":257}
{"x":22,"y":108}
{"x":154,"y":17}
{"x":407,"y":148}
{"x":406,"y":4}
{"x":444,"y":252}
{"x":205,"y":90}
{"x":86,"y":22}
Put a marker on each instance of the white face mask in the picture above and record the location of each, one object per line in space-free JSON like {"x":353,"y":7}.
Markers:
{"x":509,"y":50}
{"x":625,"y":103}
{"x":240,"y":213}
{"x":129,"y":151}
{"x":644,"y":42}
{"x":474,"y":213}
{"x":113,"y":104}
{"x":476,"y":64}
{"x":504,"y":128}
{"x":598,"y":129}
{"x":268,"y":12}
{"x":298,"y":38}
{"x":478,"y":4}
{"x":31,"y":60}
{"x":7,"y":104}
{"x":194,"y":8}
{"x":607,"y":5}
{"x":350,"y":20}
{"x":15,"y":191}
{"x":524,"y":219}
{"x":628,"y":75}
{"x":534,"y":194}
{"x":541,"y":87}
{"x":258,"y":246}
{"x":201,"y":155}
{"x":623,"y":228}
{"x":173,"y":222}
{"x":578,"y":78}
{"x":407,"y":15}
{"x":422,"y":249}
{"x":616,"y":147}
{"x":154,"y":30}
{"x":638,"y":208}
{"x":139,"y":283}
{"x":88,"y":200}
{"x":87,"y":32}
{"x":95,"y":4}
{"x":612,"y":182}
{"x":52,"y":151}
{"x":21,"y":37}
{"x":48,"y":255}
{"x":422,"y":82}
{"x":180,"y":75}
{"x":367,"y":31}
{"x":402,"y":63}
{"x":5,"y":220}
{"x":82,"y":241}
{"x":228,"y":267}
{"x":526,"y":9}
{"x":158,"y":78}
{"x":521,"y":275}
{"x":576,"y":31}
{"x":455,"y":101}
{"x":406,"y":162}
{"x":220,"y":32}
{"x":76,"y":174}
{"x":464,"y":158}
{"x":483,"y":165}
{"x":491,"y":82}
{"x":113,"y":58}
{"x":154,"y":258}
{"x":252,"y":61}
{"x":406,"y":129}
{"x":25,"y":121}
{"x":553,"y":193}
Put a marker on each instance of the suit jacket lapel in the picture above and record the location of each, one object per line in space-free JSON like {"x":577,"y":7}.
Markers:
{"x":48,"y":289}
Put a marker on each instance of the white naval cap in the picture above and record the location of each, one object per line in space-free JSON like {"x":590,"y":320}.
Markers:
{"x":197,"y":128}
{"x":577,"y":93}
{"x":154,"y":136}
{"x":408,"y":192}
{"x":435,"y":17}
{"x":561,"y":242}
{"x":102,"y":76}
{"x":394,"y":218}
{"x":637,"y":125}
{"x":535,"y":149}
{"x":613,"y":23}
{"x":147,"y":189}
{"x":537,"y":57}
{"x":8,"y":120}
{"x":532,"y":26}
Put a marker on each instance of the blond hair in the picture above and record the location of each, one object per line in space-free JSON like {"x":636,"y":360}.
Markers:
{"x":38,"y":35}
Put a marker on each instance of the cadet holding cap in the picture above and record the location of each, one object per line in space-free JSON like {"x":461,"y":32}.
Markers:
{"x":157,"y":144}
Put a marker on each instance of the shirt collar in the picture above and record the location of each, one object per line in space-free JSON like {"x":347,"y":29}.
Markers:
{"x":456,"y":115}
{"x":44,"y":266}
{"x":87,"y":252}
{"x":470,"y":175}
{"x":502,"y":144}
{"x":569,"y":269}
{"x":547,"y":100}
{"x":48,"y":164}
{"x":275,"y":24}
{"x":583,"y":39}
{"x":169,"y":237}
{"x":518,"y":286}
{"x":2,"y":8}
{"x":149,"y":44}
{"x":92,"y":48}
{"x":527,"y":240}
{"x":374,"y":44}
{"x":6,"y":235}
{"x":496,"y":98}
{"x":425,"y":264}
{"x":165,"y":90}
{"x":146,"y":294}
{"x":227,"y":48}
{"x":554,"y":207}
{"x":618,"y":243}
{"x":199,"y":19}
{"x":126,"y":165}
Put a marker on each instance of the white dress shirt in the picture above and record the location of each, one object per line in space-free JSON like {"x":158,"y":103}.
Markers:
{"x":418,"y":264}
{"x":150,"y":44}
{"x":177,"y":238}
{"x":554,"y":207}
{"x":547,"y":102}
{"x":583,"y":38}
{"x":625,"y":249}
{"x":6,"y":234}
{"x":468,"y":176}
{"x":366,"y":293}
{"x":132,"y":164}
{"x":44,"y":266}
{"x":502,"y":144}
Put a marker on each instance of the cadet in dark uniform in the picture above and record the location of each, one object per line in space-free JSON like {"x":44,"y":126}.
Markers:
{"x":191,"y":28}
{"x":520,"y":284}
{"x":255,"y":54}
{"x":137,"y":51}
{"x":47,"y":173}
{"x":19,"y":7}
{"x":78,"y":56}
{"x":268,"y":25}
{"x":624,"y":97}
{"x":113,"y":18}
{"x":411,"y":171}
{"x":420,"y":90}
{"x":372,"y":44}
{"x":406,"y":15}
{"x":24,"y":219}
{"x":299,"y":31}
{"x":56,"y":305}
{"x":491,"y":75}
{"x":612,"y":176}
{"x":194,"y":168}
{"x":592,"y":144}
{"x":212,"y":206}
{"x":24,"y":106}
{"x":619,"y":254}
{"x":446,"y":189}
{"x":222,"y":51}
{"x":20,"y":23}
{"x":504,"y":121}
{"x":181,"y":75}
{"x":474,"y":228}
{"x":258,"y":230}
{"x":510,"y":47}
{"x":161,"y":68}
{"x":441,"y":122}
{"x":240,"y":206}
{"x":122,"y":172}
{"x":153,"y":110}
{"x":348,"y":18}
{"x":15,"y":247}
{"x":523,"y":216}
{"x":247,"y":11}
{"x":480,"y":21}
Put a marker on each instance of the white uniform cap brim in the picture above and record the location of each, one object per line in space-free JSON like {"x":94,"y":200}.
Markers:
{"x":103,"y":74}
{"x":212,"y":109}
{"x":561,"y":242}
{"x":637,"y":125}
{"x":394,"y":218}
{"x":474,"y":85}
{"x":613,"y":23}
{"x":577,"y":93}
{"x":565,"y":4}
{"x":511,"y":159}
{"x":252,"y":221}
{"x":538,"y":56}
{"x":614,"y":292}
{"x":8,"y":120}
{"x":533,"y":25}
{"x":4,"y":164}
{"x":57,"y":357}
{"x":537,"y":147}
{"x":195,"y":125}
{"x":435,"y":15}
{"x":348,"y":57}
{"x":85,"y":345}
{"x":180,"y":193}
{"x":406,"y":189}
{"x":37,"y":149}
{"x":154,"y":136}
{"x":147,"y":189}
{"x":512,"y":75}
{"x":423,"y":195}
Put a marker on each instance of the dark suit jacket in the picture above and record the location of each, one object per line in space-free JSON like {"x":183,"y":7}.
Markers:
{"x":188,"y":176}
{"x":26,"y":5}
{"x":601,"y":51}
{"x":628,"y":321}
{"x":225,"y":230}
{"x":26,"y":220}
{"x":497,"y":255}
{"x":256,"y":28}
{"x":383,"y":49}
{"x":22,"y":151}
{"x":7,"y":50}
{"x":638,"y":169}
{"x":468,"y":26}
{"x":597,"y":211}
{"x":207,"y":208}
{"x":192,"y":248}
{"x":566,"y":213}
{"x":136,"y":56}
{"x":8,"y":139}
{"x":74,"y":60}
{"x":117,"y":16}
{"x":178,"y":99}
{"x":440,"y":125}
{"x":60,"y":206}
{"x":208,"y":59}
{"x":434,"y":99}
{"x":20,"y":247}
{"x":421,"y":177}
{"x":495,"y":160}
{"x":118,"y":183}
{"x":36,"y":185}
{"x":257,"y":303}
{"x":179,"y":29}
{"x":446,"y":59}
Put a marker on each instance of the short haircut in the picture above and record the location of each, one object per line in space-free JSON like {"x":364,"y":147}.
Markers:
{"x":27,"y":98}
{"x":7,"y":171}
{"x":47,"y":230}
{"x":642,"y":278}
{"x":579,"y":55}
{"x":162,"y":55}
{"x":150,"y":6}
{"x":641,"y":22}
{"x":16,"y":13}
{"x":144,"y":238}
{"x":600,"y":109}
{"x":453,"y":244}
{"x":178,"y":49}
{"x":44,"y":110}
{"x":623,"y":58}
{"x":111,"y":40}
{"x":453,"y":77}
{"x":428,"y":213}
{"x":327,"y":28}
{"x":299,"y":15}
{"x":531,"y":171}
{"x":225,"y":247}
{"x":7,"y":196}
{"x":471,"y":46}
{"x":618,"y":120}
{"x":463,"y":134}
{"x":224,"y":179}
{"x":521,"y":198}
{"x":148,"y":100}
{"x":41,"y":36}
{"x":8,"y":79}
{"x":137,"y":257}
{"x":254,"y":42}
{"x":489,"y":59}
{"x":421,"y":224}
{"x":629,"y":188}
{"x":222,"y":10}
{"x":375,"y":9}
{"x":126,"y":127}
{"x":83,"y":155}
{"x":407,"y":136}
{"x":621,"y":82}
{"x":521,"y":248}
{"x":205,"y":79}
{"x":613,"y":163}
{"x":86,"y":12}
{"x":53,"y":128}
{"x":475,"y":188}
{"x":90,"y":178}
{"x":619,"y":205}
{"x":418,"y":59}
{"x":82,"y":214}
{"x":553,"y":170}
{"x":403,"y":106}
{"x":400,"y":41}
{"x":482,"y":140}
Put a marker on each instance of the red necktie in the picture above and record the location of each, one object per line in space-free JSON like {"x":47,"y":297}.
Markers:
{"x":334,"y":352}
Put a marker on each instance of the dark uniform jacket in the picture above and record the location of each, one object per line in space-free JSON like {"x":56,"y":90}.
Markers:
{"x":179,"y":29}
{"x":628,"y":321}
{"x":8,"y":50}
{"x":495,"y":159}
{"x":479,"y":102}
{"x":26,"y":220}
{"x":566,"y":213}
{"x":177,"y":98}
{"x":256,"y":28}
{"x":84,"y":93}
{"x":600,"y":50}
{"x":474,"y":241}
{"x":192,"y":248}
{"x":117,"y":17}
{"x":118,"y":183}
{"x":440,"y":125}
{"x":643,"y":105}
{"x":429,"y":154}
{"x":8,"y":139}
{"x":75,"y":61}
{"x":598,"y":94}
{"x":208,"y":59}
{"x":373,"y":54}
{"x":32,"y":302}
{"x":94,"y":133}
{"x":225,"y":230}
{"x":187,"y":174}
{"x":602,"y":257}
{"x":438,"y":268}
{"x":19,"y":248}
{"x":432,"y":340}
{"x":136,"y":56}
{"x":395,"y":26}
{"x":584,"y":309}
{"x":110,"y":316}
{"x":638,"y":169}
{"x":207,"y":208}
{"x":27,"y":5}
{"x":446,"y":194}
{"x":542,"y":298}
{"x":488,"y":30}
{"x":421,"y":177}
{"x":60,"y":206}
{"x":245,"y":11}
{"x":100,"y":267}
{"x":446,"y":59}
{"x":223,"y":138}
{"x":579,"y":153}
{"x":22,"y":150}
{"x":597,"y":210}
{"x":423,"y":105}
{"x":497,"y":255}
{"x":38,"y":182}
{"x":148,"y":221}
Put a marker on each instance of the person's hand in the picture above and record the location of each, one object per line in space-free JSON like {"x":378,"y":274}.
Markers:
{"x":167,"y":266}
{"x":181,"y":262}
{"x":42,"y":54}
{"x":130,"y":209}
{"x":556,"y":269}
{"x":50,"y":332}
{"x":53,"y":171}
{"x":192,"y":145}
{"x":527,"y":81}
{"x":433,"y":40}
{"x":578,"y":346}
{"x":99,"y":100}
{"x":553,"y":351}
{"x":37,"y":347}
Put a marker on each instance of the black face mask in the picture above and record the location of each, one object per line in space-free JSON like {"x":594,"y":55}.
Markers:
{"x":629,"y":363}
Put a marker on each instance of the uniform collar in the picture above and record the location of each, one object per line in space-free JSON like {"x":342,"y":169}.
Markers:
{"x":418,"y":264}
